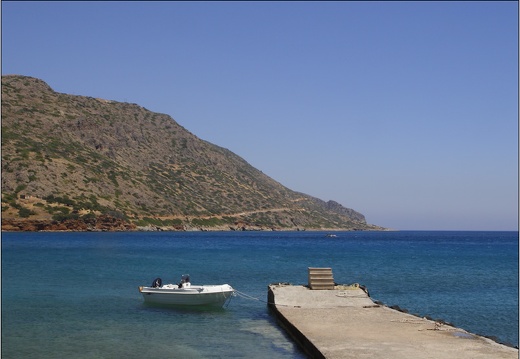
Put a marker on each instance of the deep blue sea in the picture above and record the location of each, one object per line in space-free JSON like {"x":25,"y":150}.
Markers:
{"x":75,"y":295}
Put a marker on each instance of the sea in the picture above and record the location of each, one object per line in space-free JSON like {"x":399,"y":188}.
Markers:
{"x":75,"y":295}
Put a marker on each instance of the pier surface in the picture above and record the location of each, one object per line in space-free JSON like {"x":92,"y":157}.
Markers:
{"x":346,"y":323}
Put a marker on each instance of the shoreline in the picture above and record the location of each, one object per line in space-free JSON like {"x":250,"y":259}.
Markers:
{"x":110,"y":224}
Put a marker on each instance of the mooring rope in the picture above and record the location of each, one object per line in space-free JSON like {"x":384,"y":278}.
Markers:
{"x":226,"y":304}
{"x":247,"y":296}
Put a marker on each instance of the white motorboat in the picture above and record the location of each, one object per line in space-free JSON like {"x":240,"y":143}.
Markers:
{"x":186,"y":294}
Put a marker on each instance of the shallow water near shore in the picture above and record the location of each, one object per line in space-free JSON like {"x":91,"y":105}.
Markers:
{"x":76,"y":294}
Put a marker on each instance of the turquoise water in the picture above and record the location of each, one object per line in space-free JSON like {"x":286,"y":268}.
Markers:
{"x":75,"y":294}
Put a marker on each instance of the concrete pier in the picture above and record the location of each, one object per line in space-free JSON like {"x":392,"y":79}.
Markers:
{"x":346,"y":323}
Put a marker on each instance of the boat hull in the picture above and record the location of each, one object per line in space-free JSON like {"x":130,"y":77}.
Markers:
{"x":205,"y":295}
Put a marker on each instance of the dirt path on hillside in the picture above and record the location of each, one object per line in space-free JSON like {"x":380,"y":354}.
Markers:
{"x":220,"y":216}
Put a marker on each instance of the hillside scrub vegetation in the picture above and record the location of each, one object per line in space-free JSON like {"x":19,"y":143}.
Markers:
{"x":76,"y":158}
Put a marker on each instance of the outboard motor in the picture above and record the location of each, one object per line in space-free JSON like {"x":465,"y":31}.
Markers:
{"x":157,"y":282}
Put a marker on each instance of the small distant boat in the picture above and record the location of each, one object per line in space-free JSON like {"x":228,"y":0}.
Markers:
{"x":186,"y":294}
{"x":330,"y":235}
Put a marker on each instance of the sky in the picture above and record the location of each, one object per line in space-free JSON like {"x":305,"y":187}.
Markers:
{"x":404,"y":111}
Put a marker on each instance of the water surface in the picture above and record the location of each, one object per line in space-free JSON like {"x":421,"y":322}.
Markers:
{"x":75,"y":294}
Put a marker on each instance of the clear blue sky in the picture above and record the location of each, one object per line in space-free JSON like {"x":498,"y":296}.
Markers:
{"x":404,"y":111}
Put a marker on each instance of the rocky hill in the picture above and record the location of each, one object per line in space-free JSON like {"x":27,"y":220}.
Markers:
{"x":81,"y":163}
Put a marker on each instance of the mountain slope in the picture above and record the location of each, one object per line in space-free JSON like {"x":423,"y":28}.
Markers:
{"x":78,"y":157}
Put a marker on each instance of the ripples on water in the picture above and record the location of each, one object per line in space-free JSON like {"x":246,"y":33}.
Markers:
{"x":75,"y":294}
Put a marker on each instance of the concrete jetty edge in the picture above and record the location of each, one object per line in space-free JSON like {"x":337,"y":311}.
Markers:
{"x":346,"y":323}
{"x":297,"y":336}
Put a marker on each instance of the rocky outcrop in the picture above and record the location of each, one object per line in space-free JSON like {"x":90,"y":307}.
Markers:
{"x":338,"y":208}
{"x":102,"y":223}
